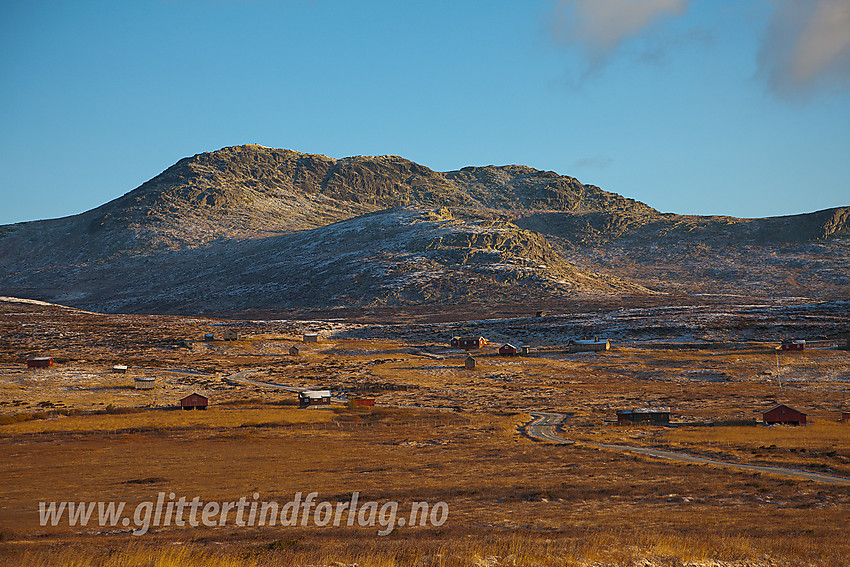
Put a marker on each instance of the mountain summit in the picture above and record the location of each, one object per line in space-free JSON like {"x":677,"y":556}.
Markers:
{"x":252,"y":191}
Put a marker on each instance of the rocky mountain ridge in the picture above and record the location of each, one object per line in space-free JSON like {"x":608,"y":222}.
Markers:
{"x":189,"y":239}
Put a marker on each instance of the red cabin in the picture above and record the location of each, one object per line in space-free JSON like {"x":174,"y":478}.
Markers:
{"x":508,"y":349}
{"x":468,"y":342}
{"x":793,"y":345}
{"x":40,"y":362}
{"x":194,"y":401}
{"x":845,"y":416}
{"x":784,"y":415}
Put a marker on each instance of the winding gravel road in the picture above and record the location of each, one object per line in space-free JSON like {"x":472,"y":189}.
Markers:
{"x":242,"y":378}
{"x":543,"y":428}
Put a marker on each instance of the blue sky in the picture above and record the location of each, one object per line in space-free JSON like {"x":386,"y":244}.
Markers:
{"x":692,"y":106}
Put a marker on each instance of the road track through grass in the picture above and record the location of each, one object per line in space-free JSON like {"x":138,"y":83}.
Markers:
{"x":543,"y":428}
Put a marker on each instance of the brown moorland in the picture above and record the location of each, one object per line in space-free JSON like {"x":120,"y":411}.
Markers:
{"x":78,"y":432}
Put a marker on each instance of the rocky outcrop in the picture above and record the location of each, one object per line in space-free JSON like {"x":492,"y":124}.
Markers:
{"x":398,"y":256}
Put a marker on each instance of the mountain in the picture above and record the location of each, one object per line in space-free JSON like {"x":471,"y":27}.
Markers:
{"x":250,"y":227}
{"x":397,"y":256}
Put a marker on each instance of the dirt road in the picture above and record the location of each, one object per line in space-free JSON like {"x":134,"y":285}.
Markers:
{"x":543,"y":427}
{"x":544,"y":424}
{"x":242,"y":378}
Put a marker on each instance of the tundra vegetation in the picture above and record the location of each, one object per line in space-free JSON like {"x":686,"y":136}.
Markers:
{"x":78,"y":432}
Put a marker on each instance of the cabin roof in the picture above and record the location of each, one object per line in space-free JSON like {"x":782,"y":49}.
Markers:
{"x":316,"y":394}
{"x":783,"y":406}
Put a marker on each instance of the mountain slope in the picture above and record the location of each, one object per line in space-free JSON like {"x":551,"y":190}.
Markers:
{"x":398,"y":256}
{"x":216,"y":220}
{"x":598,"y":227}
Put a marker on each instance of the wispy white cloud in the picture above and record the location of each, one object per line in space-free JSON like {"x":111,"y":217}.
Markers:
{"x":600,"y":26}
{"x":807,"y":46}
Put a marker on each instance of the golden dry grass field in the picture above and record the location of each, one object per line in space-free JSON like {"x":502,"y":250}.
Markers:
{"x":440,"y":433}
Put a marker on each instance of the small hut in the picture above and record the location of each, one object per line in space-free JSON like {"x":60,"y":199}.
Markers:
{"x":845,"y":416}
{"x":40,"y":362}
{"x":793,"y":345}
{"x":144,"y":382}
{"x":120,"y":369}
{"x":784,"y":415}
{"x":652,"y":416}
{"x":310,"y":398}
{"x":209,"y":337}
{"x":194,"y":401}
{"x":231,"y":335}
{"x":469,"y":363}
{"x":508,"y":349}
{"x":311,"y":337}
{"x":525,"y":349}
{"x":294,"y":350}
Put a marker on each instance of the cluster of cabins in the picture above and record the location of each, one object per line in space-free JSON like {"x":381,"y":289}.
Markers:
{"x":508,"y":349}
{"x":233,"y":335}
{"x":778,"y":415}
{"x":229,"y":335}
{"x":800,"y":344}
{"x":306,"y":399}
{"x":318,"y":398}
{"x":596,"y":344}
{"x":781,"y":414}
{"x":476,"y":342}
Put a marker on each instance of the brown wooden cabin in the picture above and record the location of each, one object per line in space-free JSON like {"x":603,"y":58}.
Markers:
{"x":40,"y":362}
{"x":468,"y":342}
{"x":659,"y":416}
{"x":194,"y":401}
{"x":309,"y":398}
{"x":784,"y":415}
